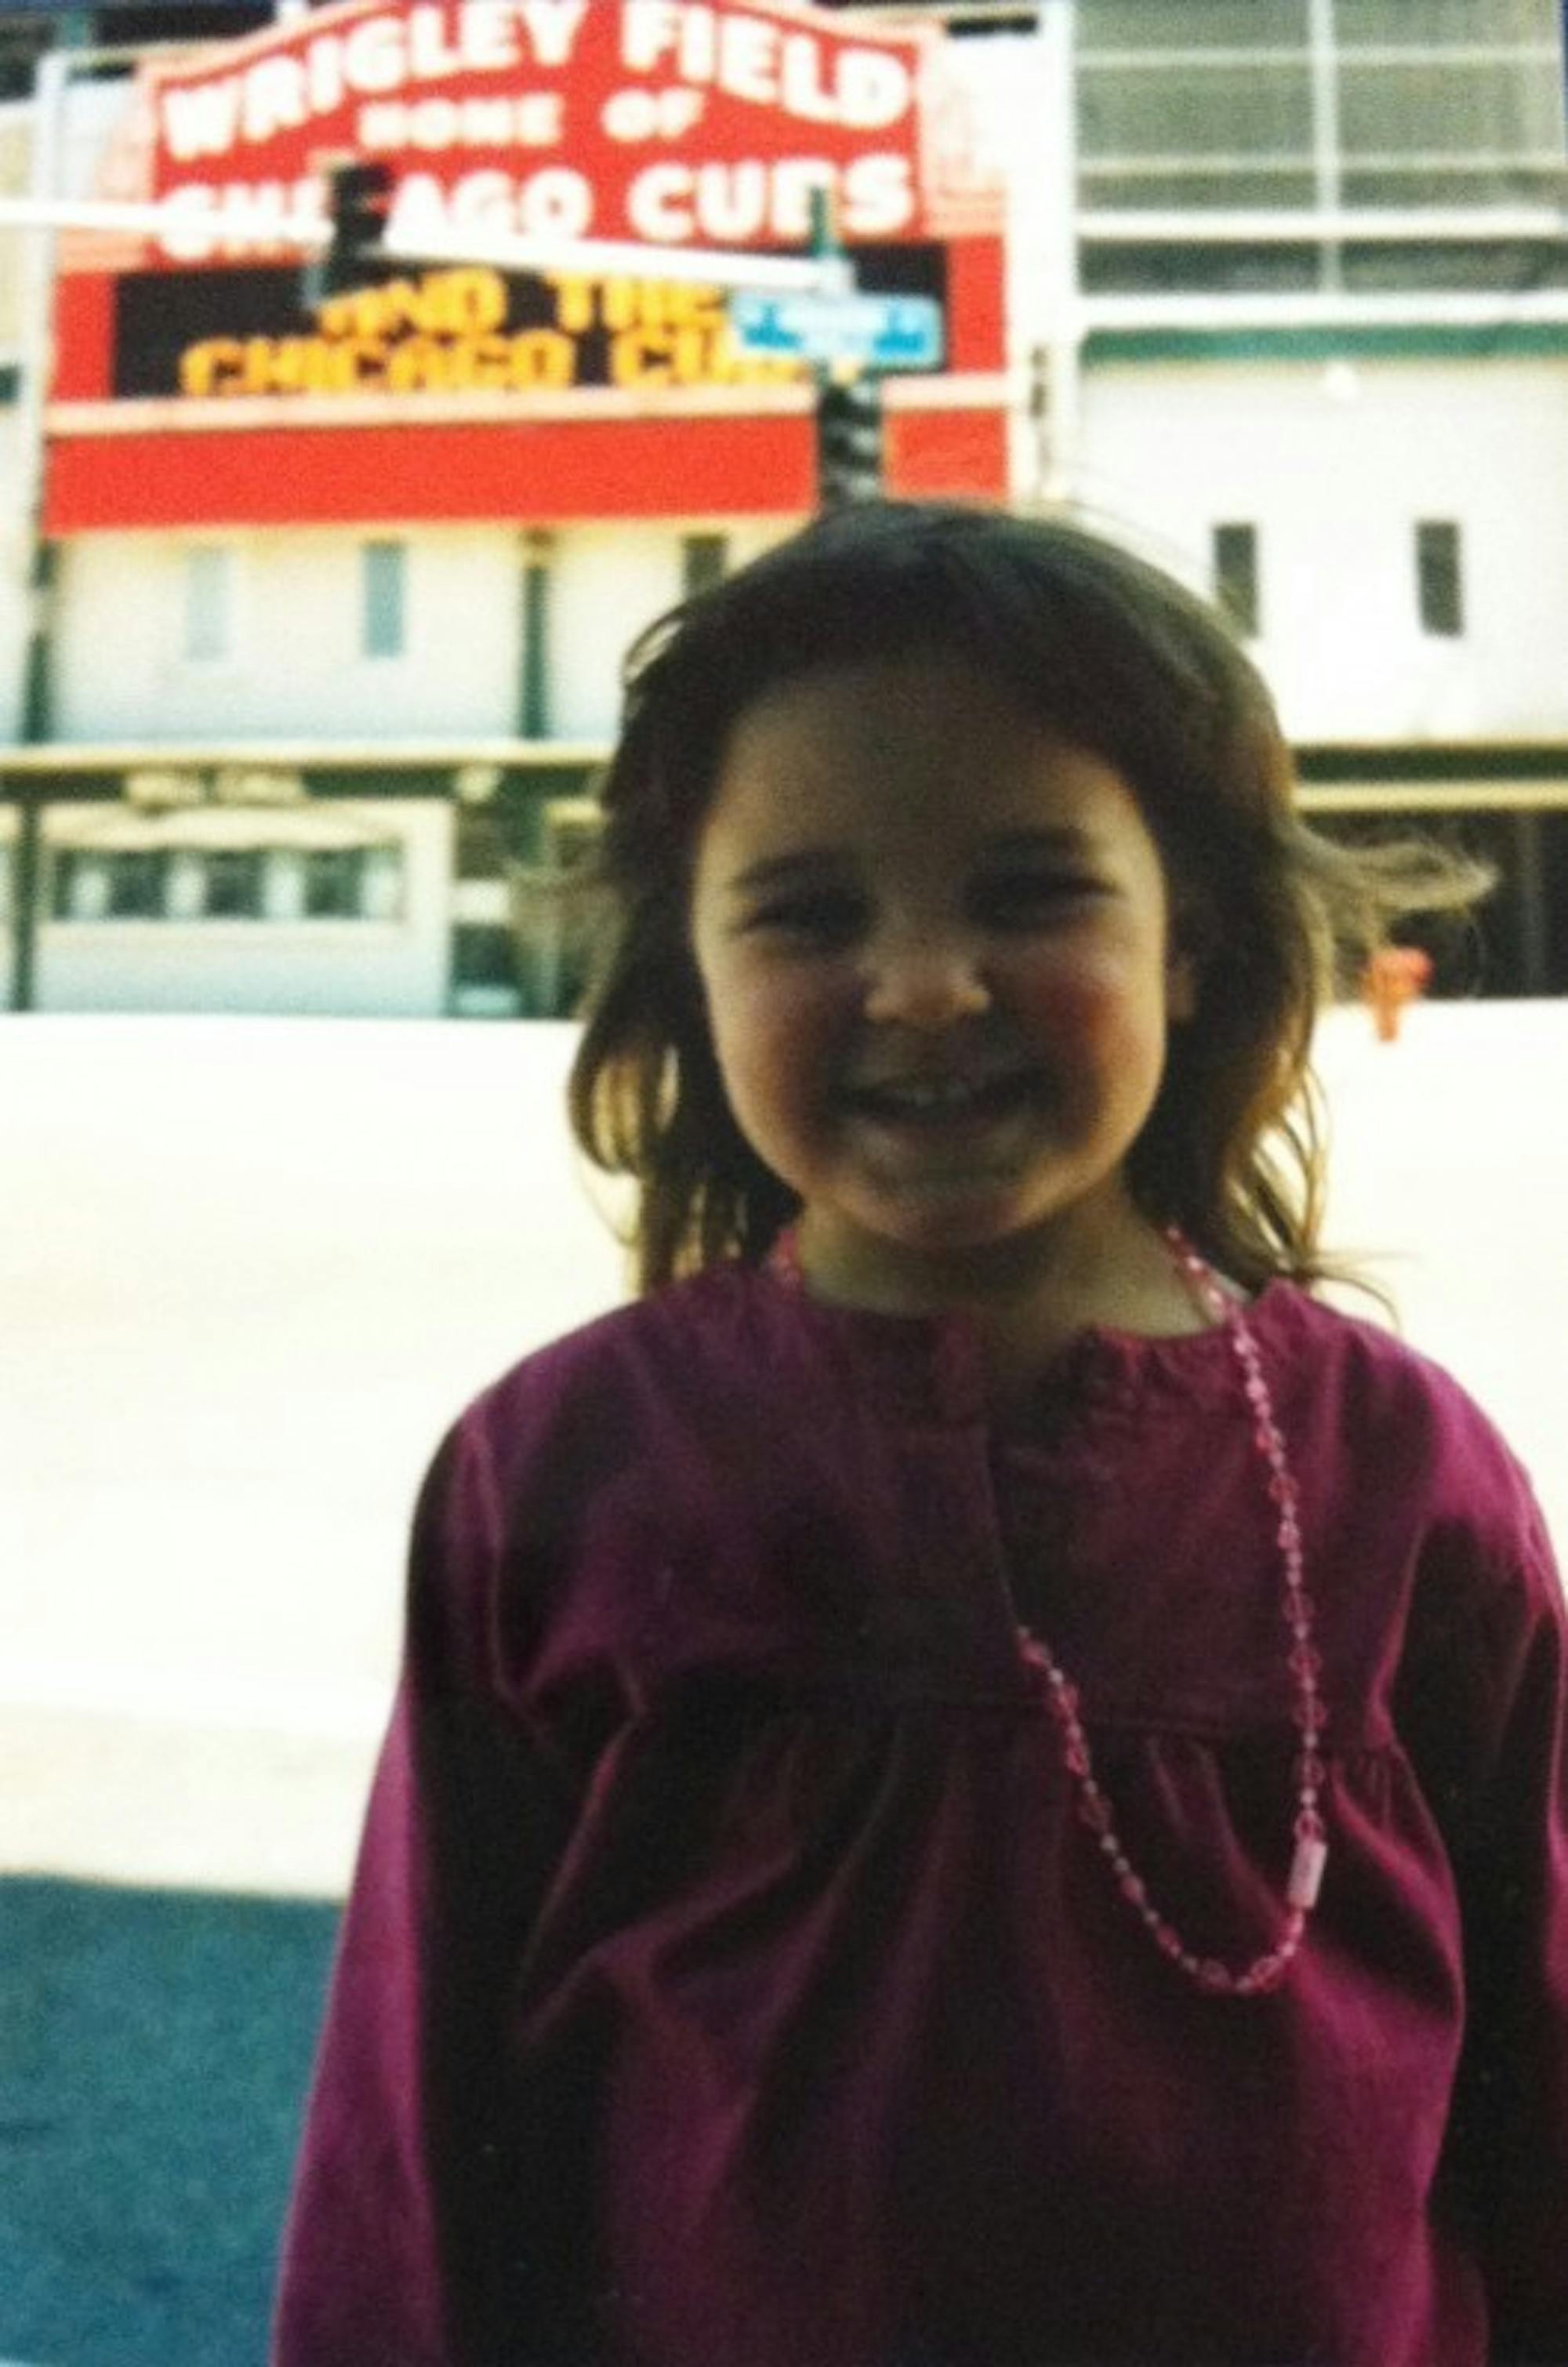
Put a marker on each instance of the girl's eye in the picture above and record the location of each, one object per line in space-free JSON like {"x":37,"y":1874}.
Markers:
{"x":816,"y":919}
{"x":1025,"y":899}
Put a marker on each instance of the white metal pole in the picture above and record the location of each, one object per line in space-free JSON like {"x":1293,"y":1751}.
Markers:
{"x":1327,"y":178}
{"x":36,"y":312}
{"x":1048,"y":309}
{"x":34,"y":559}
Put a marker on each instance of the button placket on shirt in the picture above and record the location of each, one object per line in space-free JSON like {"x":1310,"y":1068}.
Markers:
{"x":946,"y":1625}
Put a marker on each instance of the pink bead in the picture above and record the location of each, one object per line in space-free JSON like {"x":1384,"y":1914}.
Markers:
{"x":1306,"y":1870}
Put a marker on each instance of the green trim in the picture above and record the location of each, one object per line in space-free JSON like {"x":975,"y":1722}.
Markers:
{"x":1387,"y":341}
{"x":1404,"y":760}
{"x":526,"y":779}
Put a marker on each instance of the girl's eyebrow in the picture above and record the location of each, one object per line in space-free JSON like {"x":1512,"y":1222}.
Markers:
{"x":776,"y":869}
{"x":1057,"y":840}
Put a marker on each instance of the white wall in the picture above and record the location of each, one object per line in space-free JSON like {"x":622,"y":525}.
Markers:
{"x":340,"y":967}
{"x":608,"y":582}
{"x":1334,"y":464}
{"x":296,"y":670}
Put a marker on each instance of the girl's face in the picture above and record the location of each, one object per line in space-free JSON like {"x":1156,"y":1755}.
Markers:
{"x":934,"y":943}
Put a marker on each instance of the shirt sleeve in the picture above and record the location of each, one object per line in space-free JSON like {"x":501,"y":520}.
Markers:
{"x":1511,"y":2115}
{"x":410,"y":2166}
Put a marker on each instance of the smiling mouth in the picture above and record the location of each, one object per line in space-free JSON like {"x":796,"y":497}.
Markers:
{"x":935,"y":1099}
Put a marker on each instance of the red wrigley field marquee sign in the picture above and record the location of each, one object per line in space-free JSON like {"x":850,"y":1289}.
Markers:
{"x":195,"y":384}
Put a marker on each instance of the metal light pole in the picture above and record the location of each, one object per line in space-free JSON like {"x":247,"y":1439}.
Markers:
{"x":1047,"y":300}
{"x":36,"y":556}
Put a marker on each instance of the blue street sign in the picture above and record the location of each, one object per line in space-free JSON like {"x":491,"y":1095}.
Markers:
{"x":877,"y":332}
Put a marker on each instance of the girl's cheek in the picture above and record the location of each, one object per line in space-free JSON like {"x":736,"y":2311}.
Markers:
{"x":1088,"y":989}
{"x":772,"y":1026}
{"x":784,"y":1000}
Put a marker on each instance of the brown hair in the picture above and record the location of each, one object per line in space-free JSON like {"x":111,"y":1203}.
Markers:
{"x":1109,"y":652}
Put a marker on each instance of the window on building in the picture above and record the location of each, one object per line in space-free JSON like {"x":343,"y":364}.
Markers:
{"x":383,"y":583}
{"x":198,"y":884}
{"x":138,"y":884}
{"x":354,"y":883}
{"x":128,"y":885}
{"x":1439,"y":576}
{"x":1361,"y":103}
{"x":331,"y":883}
{"x":235,"y":883}
{"x":210,"y":602}
{"x":1236,"y":574}
{"x":705,"y":559}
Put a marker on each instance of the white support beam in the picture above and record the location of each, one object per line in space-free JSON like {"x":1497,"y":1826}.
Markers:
{"x":1332,"y":309}
{"x":1304,"y":226}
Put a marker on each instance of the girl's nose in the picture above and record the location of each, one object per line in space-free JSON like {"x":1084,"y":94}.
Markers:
{"x":927,"y":982}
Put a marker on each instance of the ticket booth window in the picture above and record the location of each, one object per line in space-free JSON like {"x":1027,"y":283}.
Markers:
{"x":235,"y":884}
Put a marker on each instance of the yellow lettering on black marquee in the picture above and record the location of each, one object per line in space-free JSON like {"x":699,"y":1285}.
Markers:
{"x":444,"y":333}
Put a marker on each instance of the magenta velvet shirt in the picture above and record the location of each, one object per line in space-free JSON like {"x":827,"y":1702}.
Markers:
{"x":729,"y":1981}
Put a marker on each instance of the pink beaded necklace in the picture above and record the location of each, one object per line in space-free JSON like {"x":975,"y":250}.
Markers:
{"x":1302,"y":1660}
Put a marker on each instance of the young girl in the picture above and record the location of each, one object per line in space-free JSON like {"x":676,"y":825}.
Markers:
{"x":980,"y":1777}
